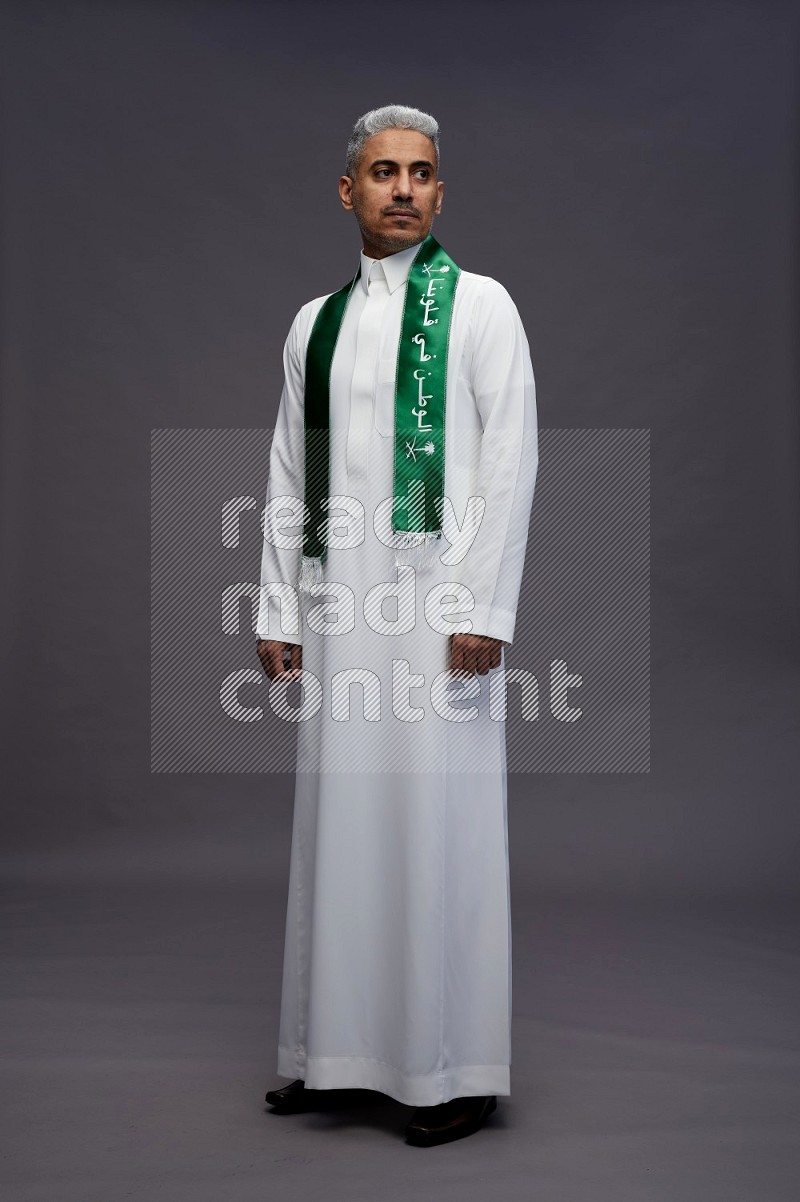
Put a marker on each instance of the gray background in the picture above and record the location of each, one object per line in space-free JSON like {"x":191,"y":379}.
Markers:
{"x":628,"y":171}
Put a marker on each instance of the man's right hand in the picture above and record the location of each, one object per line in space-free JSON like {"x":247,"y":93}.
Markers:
{"x":271,"y":653}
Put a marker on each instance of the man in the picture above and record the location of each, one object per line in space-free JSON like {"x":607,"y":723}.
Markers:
{"x":408,"y":413}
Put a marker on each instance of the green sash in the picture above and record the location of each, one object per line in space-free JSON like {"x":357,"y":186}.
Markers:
{"x":419,"y":412}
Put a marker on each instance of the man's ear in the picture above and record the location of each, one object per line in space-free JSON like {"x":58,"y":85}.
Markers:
{"x":346,"y":192}
{"x":439,"y":195}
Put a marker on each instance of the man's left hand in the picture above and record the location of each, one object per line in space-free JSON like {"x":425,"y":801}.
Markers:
{"x":474,"y":653}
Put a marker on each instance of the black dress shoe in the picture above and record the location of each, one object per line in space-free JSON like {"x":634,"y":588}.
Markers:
{"x":291,"y":1099}
{"x":431,"y":1125}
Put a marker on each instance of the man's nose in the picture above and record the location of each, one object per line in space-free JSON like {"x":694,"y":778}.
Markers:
{"x":403,"y":187}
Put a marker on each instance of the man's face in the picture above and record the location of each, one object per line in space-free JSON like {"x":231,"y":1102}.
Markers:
{"x":395,"y":194}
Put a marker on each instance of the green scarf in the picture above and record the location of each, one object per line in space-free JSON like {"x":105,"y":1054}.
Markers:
{"x":419,"y":411}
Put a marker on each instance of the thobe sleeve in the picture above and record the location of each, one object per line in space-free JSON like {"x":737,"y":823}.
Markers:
{"x":505,"y":395}
{"x":280,"y":564}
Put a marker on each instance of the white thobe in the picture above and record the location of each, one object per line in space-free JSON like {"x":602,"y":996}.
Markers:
{"x":397,"y":958}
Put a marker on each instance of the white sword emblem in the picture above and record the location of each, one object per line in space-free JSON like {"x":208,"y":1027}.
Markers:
{"x":427,"y":448}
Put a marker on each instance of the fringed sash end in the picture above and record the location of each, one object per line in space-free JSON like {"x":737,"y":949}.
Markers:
{"x":416,"y":549}
{"x":310,"y":573}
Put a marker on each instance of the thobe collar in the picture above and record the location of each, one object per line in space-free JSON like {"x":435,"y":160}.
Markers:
{"x":395,"y":267}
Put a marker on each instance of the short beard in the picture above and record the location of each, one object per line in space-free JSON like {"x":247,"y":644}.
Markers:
{"x":394,"y":242}
{"x":391,"y":243}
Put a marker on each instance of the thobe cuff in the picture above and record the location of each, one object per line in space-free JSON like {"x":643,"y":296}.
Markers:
{"x":271,"y":618}
{"x":493,"y":622}
{"x":279,"y":637}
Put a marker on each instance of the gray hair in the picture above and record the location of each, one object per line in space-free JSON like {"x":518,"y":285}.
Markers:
{"x":391,"y":116}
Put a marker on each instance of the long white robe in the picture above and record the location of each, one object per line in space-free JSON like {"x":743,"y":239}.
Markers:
{"x":397,"y":961}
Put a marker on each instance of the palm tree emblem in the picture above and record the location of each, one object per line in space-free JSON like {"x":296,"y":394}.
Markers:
{"x":412,"y":449}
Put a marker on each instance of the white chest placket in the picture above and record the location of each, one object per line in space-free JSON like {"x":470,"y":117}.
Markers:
{"x":368,"y":340}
